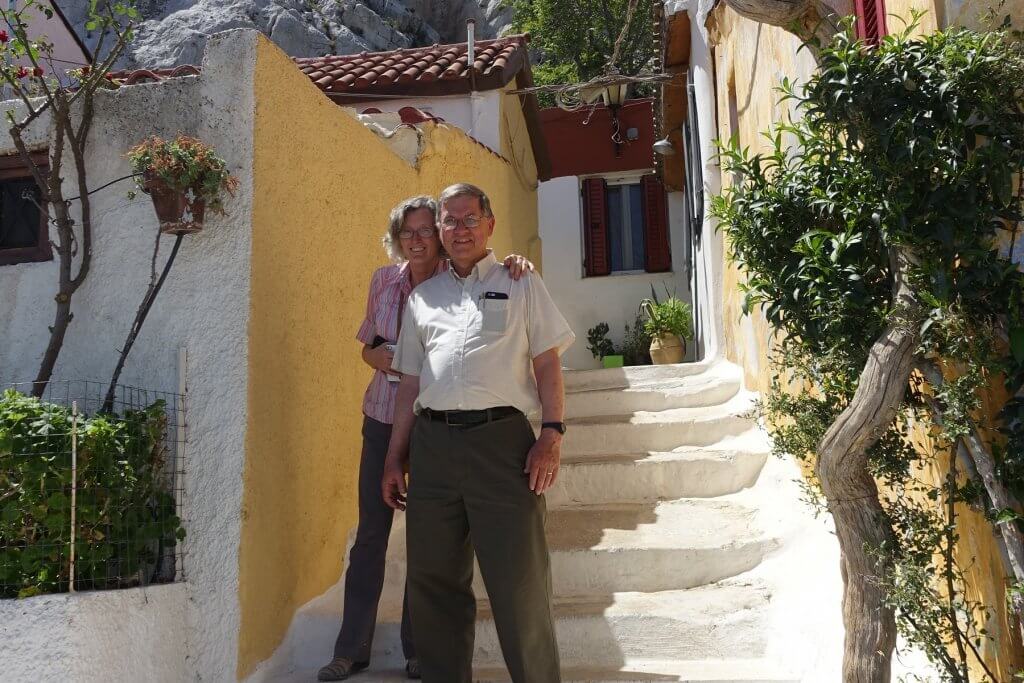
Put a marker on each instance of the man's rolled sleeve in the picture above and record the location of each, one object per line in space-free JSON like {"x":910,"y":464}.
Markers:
{"x":409,"y":351}
{"x":546,"y":326}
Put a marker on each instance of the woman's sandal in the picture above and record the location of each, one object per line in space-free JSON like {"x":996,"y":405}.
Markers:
{"x":412,"y":668}
{"x":340,"y":668}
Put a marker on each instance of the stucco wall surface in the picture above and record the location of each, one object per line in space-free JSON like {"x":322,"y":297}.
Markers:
{"x":324,"y":184}
{"x":751,"y":61}
{"x":587,"y":301}
{"x":203,"y":307}
{"x":97,"y":636}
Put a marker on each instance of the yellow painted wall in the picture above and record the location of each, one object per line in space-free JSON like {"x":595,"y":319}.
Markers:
{"x":516,"y":147}
{"x":323,"y":186}
{"x":750,"y":61}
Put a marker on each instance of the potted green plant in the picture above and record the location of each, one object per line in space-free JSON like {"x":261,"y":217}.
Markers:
{"x":184,"y":178}
{"x":601,"y":346}
{"x":670,"y":324}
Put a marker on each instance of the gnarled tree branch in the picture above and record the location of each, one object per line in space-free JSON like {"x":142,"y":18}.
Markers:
{"x":851,"y":491}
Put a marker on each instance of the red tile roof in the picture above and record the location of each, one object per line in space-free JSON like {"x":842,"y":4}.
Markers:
{"x":151,"y":75}
{"x":434,"y":70}
{"x":413,"y":72}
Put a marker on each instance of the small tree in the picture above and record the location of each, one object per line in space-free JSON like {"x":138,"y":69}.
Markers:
{"x":879,"y":235}
{"x":30,"y":72}
{"x":576,"y":38}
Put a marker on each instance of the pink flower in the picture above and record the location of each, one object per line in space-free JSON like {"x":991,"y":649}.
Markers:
{"x":22,"y":72}
{"x":4,"y":37}
{"x":37,"y":72}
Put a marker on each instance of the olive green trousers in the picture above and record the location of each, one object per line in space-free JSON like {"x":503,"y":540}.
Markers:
{"x":468,"y":492}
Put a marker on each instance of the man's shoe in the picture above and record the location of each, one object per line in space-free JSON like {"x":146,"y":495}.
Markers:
{"x":340,"y":668}
{"x":412,"y":668}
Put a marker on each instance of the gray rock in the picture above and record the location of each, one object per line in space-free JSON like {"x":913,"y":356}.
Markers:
{"x":174,"y":32}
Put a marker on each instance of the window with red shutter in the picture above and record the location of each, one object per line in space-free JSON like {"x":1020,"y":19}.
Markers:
{"x":870,"y":16}
{"x":595,"y":228}
{"x":657,"y":254}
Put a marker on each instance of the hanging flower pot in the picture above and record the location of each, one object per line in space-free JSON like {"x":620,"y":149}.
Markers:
{"x":179,"y":214}
{"x":184,"y":178}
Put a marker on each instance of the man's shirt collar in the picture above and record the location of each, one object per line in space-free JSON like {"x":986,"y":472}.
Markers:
{"x":481,"y":269}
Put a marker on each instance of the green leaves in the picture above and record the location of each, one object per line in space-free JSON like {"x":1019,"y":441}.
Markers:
{"x":575,"y":38}
{"x":1017,"y":344}
{"x":124,"y":507}
{"x":914,"y":144}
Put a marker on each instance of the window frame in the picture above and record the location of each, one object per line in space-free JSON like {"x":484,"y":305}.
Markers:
{"x":12,"y":167}
{"x":620,"y":181}
{"x":619,"y":178}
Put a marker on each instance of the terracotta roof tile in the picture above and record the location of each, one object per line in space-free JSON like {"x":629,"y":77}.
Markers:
{"x":432,"y":70}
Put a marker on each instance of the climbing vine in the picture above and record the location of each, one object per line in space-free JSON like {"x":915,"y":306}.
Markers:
{"x":888,"y":213}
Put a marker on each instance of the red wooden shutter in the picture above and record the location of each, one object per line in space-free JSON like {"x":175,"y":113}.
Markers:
{"x":657,"y":254}
{"x":595,"y":228}
{"x":870,"y":20}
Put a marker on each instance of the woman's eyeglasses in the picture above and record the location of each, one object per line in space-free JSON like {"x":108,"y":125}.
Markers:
{"x":424,"y":232}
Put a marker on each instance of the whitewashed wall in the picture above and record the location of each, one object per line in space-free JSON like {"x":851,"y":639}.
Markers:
{"x":478,"y":115}
{"x":204,"y":307}
{"x":587,"y":301}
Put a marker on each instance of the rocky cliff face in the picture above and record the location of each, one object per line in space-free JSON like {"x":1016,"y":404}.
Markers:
{"x":174,"y":31}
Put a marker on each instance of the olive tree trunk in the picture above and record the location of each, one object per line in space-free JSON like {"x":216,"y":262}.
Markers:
{"x":852,"y":494}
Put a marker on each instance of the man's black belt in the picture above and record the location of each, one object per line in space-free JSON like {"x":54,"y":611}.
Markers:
{"x":466,"y":418}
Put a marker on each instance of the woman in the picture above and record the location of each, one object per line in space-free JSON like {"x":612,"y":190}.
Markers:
{"x":413,"y":242}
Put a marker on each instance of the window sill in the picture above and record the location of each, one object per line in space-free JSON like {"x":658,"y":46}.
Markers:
{"x":631,"y":273}
{"x":15,"y":256}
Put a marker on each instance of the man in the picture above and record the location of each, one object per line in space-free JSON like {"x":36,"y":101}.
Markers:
{"x":477,"y":352}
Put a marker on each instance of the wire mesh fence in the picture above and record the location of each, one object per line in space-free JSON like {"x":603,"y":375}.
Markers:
{"x":91,"y":488}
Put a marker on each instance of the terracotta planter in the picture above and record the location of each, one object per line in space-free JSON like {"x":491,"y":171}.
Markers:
{"x":667,"y":349}
{"x":178,"y":214}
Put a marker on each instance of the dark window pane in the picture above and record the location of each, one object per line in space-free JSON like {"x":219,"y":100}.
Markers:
{"x":19,"y":217}
{"x":636,"y":226}
{"x":615,"y":227}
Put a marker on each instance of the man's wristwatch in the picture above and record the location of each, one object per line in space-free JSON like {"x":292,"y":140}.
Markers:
{"x":557,"y":426}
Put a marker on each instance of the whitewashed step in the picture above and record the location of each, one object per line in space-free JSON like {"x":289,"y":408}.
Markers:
{"x":598,"y":550}
{"x":712,"y":387}
{"x":704,"y":623}
{"x":663,"y":430}
{"x":617,"y":378}
{"x":641,"y":671}
{"x":652,"y":476}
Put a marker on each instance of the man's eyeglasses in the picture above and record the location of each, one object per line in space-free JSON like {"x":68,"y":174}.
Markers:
{"x":450,"y":223}
{"x":424,"y":232}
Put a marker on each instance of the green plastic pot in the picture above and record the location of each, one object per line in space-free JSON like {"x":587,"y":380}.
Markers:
{"x":613,"y":361}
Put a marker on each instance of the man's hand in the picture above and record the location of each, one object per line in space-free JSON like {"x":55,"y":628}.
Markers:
{"x":543,"y":461}
{"x":392,"y":485}
{"x":379,"y":359}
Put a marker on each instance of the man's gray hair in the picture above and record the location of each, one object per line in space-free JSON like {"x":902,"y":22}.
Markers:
{"x":464,"y":190}
{"x":397,"y":220}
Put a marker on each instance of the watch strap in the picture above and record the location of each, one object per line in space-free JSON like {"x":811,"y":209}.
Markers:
{"x":557,"y":426}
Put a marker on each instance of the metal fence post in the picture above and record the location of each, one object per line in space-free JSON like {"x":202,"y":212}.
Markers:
{"x":74,"y":490}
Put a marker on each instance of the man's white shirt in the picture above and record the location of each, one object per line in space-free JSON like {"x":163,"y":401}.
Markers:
{"x":473,"y":349}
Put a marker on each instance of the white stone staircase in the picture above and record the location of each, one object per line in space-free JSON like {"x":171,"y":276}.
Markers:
{"x":680,"y":549}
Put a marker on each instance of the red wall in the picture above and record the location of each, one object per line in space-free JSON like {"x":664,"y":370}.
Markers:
{"x":578,"y":149}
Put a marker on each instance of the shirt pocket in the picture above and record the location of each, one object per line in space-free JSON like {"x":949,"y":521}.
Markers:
{"x":494,"y":316}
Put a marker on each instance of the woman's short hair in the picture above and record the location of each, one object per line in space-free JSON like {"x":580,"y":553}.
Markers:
{"x":464,"y":190}
{"x":397,"y":219}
